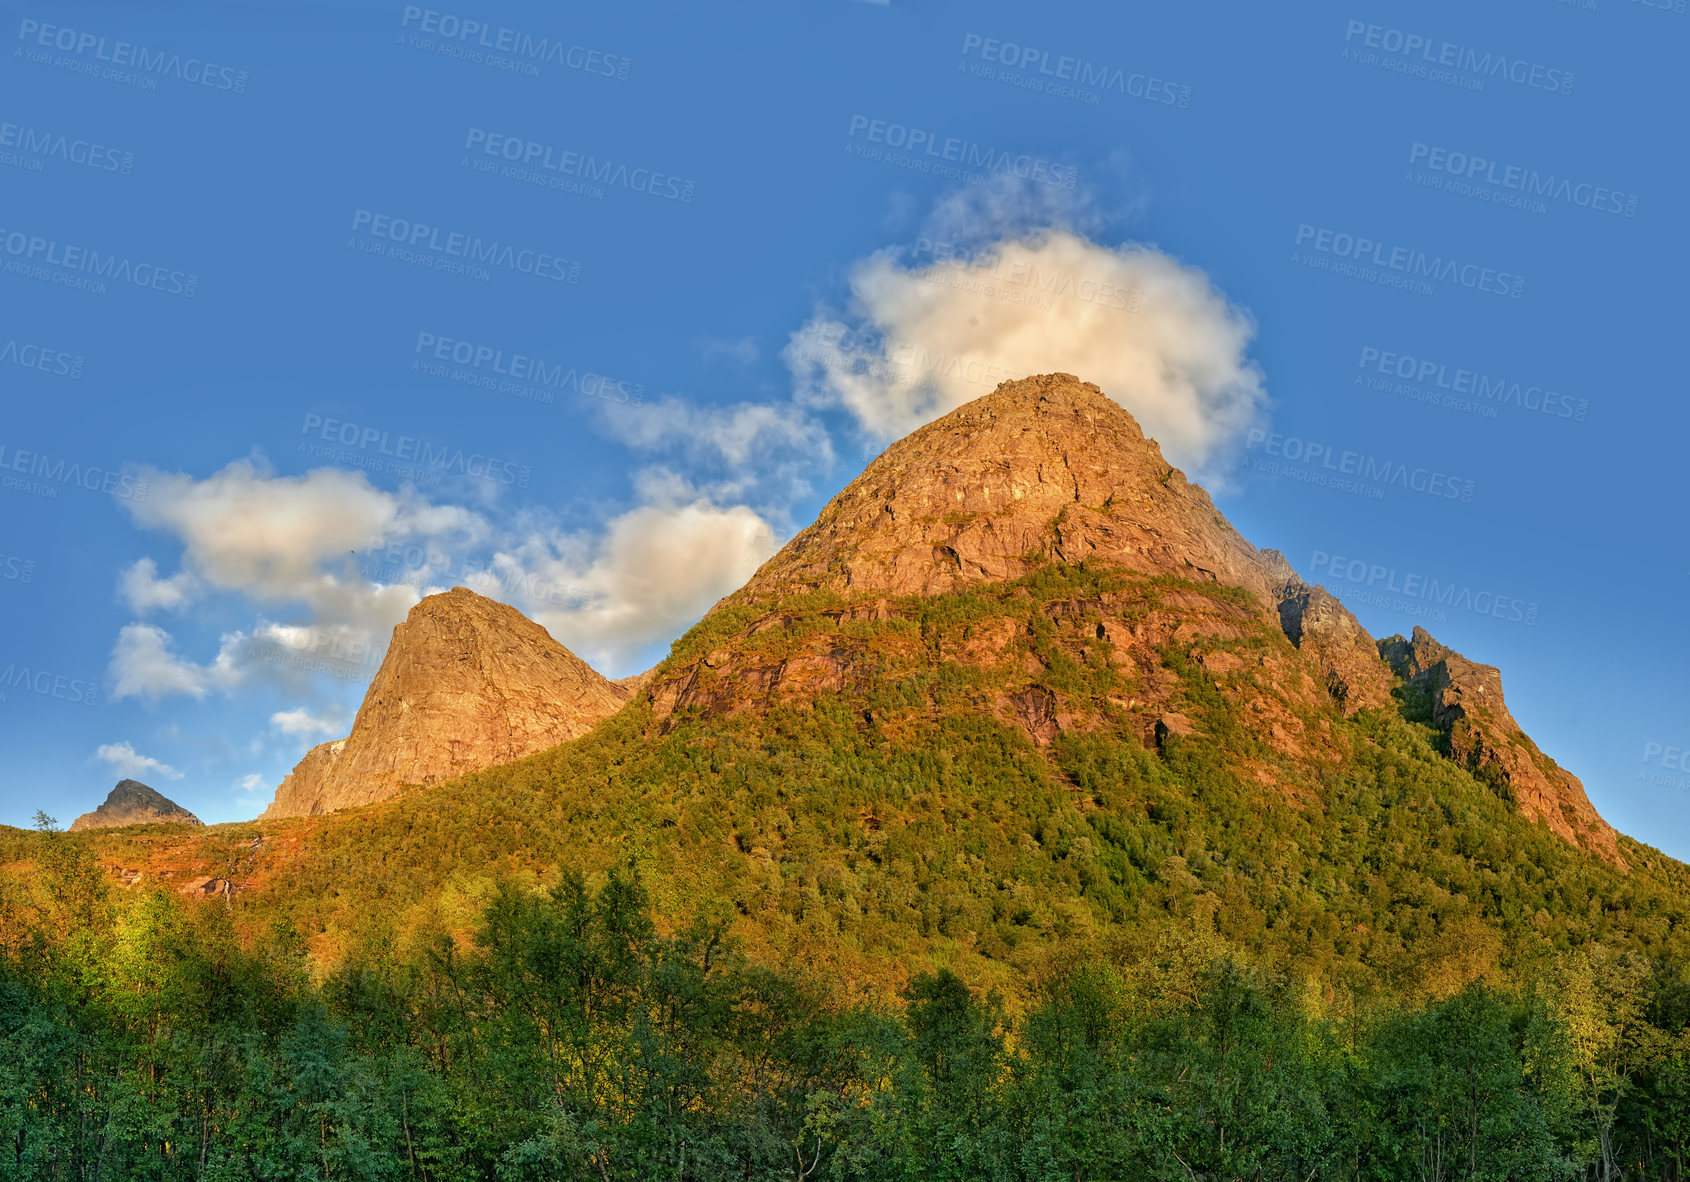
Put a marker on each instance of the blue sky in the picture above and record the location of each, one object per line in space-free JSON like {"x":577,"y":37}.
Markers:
{"x":307,"y":309}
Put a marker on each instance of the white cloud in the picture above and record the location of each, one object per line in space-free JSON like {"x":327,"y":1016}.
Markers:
{"x":1008,"y":207}
{"x":655,"y":570}
{"x":735,"y":435}
{"x":643,"y":577}
{"x":131,"y":764}
{"x":144,"y":591}
{"x":922,"y":338}
{"x":277,"y":540}
{"x":294,"y":538}
{"x":302,"y":722}
{"x":143,"y":665}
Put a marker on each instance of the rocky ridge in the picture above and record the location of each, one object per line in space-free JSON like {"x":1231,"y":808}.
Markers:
{"x":1466,"y":703}
{"x":467,"y":682}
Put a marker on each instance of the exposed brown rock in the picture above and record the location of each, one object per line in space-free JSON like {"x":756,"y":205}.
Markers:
{"x":1467,"y":705}
{"x":989,"y":642}
{"x":727,"y":682}
{"x":206,"y":886}
{"x":133,"y":803}
{"x":1171,"y":724}
{"x":467,"y":683}
{"x":633,"y":684}
{"x":1034,"y":711}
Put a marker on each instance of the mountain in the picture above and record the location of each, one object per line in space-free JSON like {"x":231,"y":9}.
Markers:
{"x":467,"y":683}
{"x":1020,"y":693}
{"x":1050,"y":471}
{"x":1045,"y":470}
{"x":133,"y":803}
{"x":1016,"y":792}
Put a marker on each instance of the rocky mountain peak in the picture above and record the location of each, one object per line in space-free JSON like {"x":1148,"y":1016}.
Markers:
{"x":133,"y":803}
{"x":1051,"y":469}
{"x":467,"y":682}
{"x":1048,"y":467}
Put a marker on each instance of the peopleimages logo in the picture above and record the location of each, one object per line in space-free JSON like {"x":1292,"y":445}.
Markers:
{"x":33,"y":253}
{"x":49,"y":685}
{"x":55,"y":362}
{"x":528,"y":154}
{"x":1408,"y":261}
{"x":412,"y":563}
{"x":1426,"y":53}
{"x":1667,"y":757}
{"x":455,"y":251}
{"x":409,"y":450}
{"x":936,"y":151}
{"x":64,"y":473}
{"x":315,"y":650}
{"x":15,"y":569}
{"x":489,"y":363}
{"x":858,"y":353}
{"x":121,"y":53}
{"x":1470,"y":383}
{"x":1082,"y":73}
{"x":1670,"y":759}
{"x":961,"y":266}
{"x":1418,"y":592}
{"x":1527,"y":182}
{"x":1329,"y":466}
{"x":37,"y":145}
{"x":459,"y":33}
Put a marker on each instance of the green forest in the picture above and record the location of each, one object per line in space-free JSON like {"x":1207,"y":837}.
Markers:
{"x":569,"y":1039}
{"x":879,"y":934}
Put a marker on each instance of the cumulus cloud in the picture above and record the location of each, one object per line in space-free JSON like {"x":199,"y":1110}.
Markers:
{"x":145,"y":665}
{"x":289,"y":541}
{"x":144,"y":591}
{"x":931,"y":329}
{"x":653,"y":571}
{"x":301,"y":722}
{"x":290,"y":538}
{"x":131,"y":764}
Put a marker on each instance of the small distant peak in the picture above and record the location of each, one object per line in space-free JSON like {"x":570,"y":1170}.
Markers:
{"x":134,"y":803}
